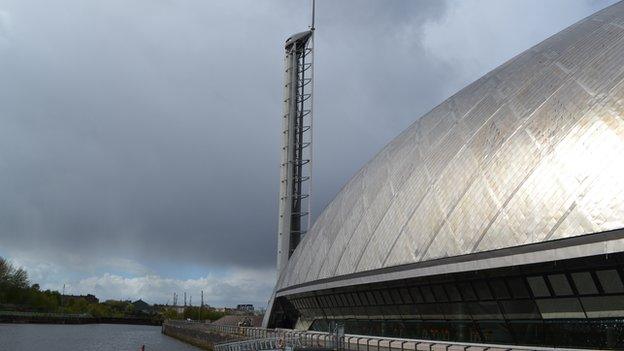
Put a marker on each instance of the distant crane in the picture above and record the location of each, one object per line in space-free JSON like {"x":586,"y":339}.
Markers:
{"x":201,"y":305}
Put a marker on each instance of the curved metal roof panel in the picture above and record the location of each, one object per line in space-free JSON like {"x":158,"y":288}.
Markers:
{"x":531,"y":152}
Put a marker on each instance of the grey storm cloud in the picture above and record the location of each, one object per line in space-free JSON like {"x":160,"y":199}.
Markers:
{"x":151,"y":129}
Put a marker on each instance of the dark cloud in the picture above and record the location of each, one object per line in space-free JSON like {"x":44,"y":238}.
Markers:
{"x":150,"y":129}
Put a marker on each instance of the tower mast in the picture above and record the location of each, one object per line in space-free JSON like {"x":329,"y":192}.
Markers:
{"x":296,"y":165}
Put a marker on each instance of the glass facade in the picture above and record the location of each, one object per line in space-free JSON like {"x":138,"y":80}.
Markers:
{"x":573,"y":303}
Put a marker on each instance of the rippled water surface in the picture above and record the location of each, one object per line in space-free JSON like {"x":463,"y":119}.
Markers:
{"x":87,"y":337}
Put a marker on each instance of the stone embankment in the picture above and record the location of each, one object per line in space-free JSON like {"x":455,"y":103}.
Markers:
{"x":199,"y":334}
{"x":63,"y":318}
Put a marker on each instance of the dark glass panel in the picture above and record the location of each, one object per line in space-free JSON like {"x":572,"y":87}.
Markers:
{"x":467,"y":331}
{"x":435,"y":331}
{"x":396,"y":297}
{"x":455,"y":310}
{"x":318,"y":312}
{"x":353,"y":299}
{"x":500,"y":289}
{"x":340,"y":312}
{"x":560,"y":284}
{"x":584,"y":283}
{"x":363,"y":298}
{"x":439,"y":293}
{"x":295,"y":303}
{"x":604,"y":306}
{"x":538,"y":286}
{"x":610,"y":281}
{"x":356,"y":299}
{"x":378,"y":297}
{"x":325,"y":303}
{"x":416,"y":295}
{"x":392,"y":310}
{"x":393,"y":328}
{"x":336,"y":300}
{"x":560,"y":308}
{"x":378,"y":311}
{"x":430,"y":311}
{"x":596,"y":334}
{"x":518,"y":288}
{"x":495,"y":332}
{"x":321,"y":325}
{"x":528,"y":333}
{"x":321,"y":301}
{"x":315,"y":302}
{"x":408,"y":311}
{"x":520,"y":309}
{"x":330,"y":311}
{"x":371,"y":298}
{"x":339,"y":300}
{"x":387,"y":297}
{"x":347,"y":297}
{"x":405,"y":295}
{"x":452,"y":292}
{"x":485,"y":310}
{"x":466,"y":290}
{"x":360,"y":311}
{"x":427,"y":293}
{"x":482,"y":290}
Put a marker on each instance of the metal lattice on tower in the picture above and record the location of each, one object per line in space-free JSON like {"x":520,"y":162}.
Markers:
{"x":296,"y":165}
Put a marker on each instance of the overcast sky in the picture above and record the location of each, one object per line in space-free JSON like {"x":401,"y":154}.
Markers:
{"x":139,"y":140}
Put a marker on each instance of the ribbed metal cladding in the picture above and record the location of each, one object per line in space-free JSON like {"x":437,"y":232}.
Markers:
{"x":532,"y":151}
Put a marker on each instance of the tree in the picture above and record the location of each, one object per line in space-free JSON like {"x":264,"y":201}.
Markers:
{"x":13,"y":283}
{"x":170,"y":313}
{"x":193,"y":312}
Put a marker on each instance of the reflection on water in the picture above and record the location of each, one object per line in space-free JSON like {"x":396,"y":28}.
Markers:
{"x":87,"y":337}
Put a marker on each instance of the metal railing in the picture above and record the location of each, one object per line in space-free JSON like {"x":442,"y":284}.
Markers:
{"x":252,"y":339}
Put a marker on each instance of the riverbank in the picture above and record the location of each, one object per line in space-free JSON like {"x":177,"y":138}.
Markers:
{"x":61,"y":318}
{"x":197,"y":334}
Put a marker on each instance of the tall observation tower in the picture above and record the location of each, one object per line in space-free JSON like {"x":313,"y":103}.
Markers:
{"x":296,"y":164}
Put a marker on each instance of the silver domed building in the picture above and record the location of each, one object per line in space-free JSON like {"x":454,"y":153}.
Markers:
{"x":496,"y":217}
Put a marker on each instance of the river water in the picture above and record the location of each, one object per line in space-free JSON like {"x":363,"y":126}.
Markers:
{"x":86,"y":337}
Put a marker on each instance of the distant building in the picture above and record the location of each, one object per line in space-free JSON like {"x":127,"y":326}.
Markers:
{"x":245,"y":307}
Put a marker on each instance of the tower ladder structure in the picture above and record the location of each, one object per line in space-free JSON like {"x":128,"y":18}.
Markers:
{"x":296,"y":164}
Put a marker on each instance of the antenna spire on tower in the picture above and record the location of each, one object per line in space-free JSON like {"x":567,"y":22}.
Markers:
{"x":313,"y":13}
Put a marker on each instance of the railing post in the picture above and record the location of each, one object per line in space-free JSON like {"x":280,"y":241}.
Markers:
{"x":357,"y":344}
